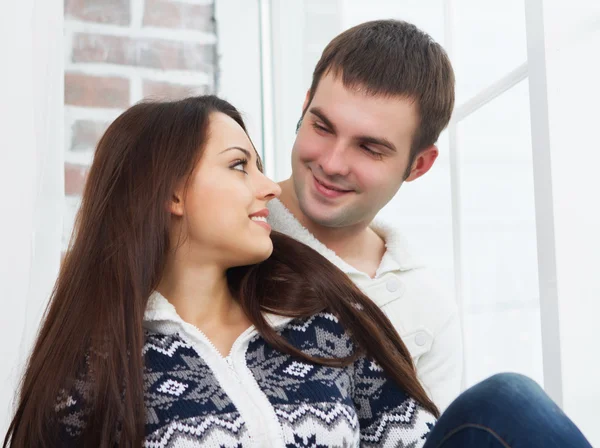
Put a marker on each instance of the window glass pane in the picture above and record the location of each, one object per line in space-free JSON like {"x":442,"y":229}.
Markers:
{"x":426,"y":14}
{"x":489,"y":42}
{"x":422,"y":210}
{"x":501,"y":295}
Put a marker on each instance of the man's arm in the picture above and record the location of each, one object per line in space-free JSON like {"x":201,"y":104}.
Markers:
{"x":440,"y":369}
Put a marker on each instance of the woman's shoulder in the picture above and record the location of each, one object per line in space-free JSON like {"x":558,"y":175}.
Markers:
{"x":321,"y":321}
{"x":162,"y":342}
{"x":322,"y":334}
{"x":167,"y":352}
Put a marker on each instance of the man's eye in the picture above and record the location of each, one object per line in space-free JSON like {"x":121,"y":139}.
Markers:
{"x":371,"y":152}
{"x":318,"y":127}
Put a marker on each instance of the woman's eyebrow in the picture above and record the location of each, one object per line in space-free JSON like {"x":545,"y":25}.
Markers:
{"x":245,"y":151}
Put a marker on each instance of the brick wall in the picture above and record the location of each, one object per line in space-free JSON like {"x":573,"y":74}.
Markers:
{"x":118,"y":52}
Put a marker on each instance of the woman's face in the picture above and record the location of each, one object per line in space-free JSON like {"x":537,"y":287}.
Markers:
{"x":223,"y":211}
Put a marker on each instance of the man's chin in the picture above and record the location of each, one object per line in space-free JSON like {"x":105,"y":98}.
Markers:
{"x":325,"y":215}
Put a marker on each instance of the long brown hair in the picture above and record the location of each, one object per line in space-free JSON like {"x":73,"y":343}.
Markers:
{"x":94,"y":318}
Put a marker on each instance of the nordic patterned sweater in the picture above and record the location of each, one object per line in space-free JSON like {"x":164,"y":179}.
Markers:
{"x":260,"y":397}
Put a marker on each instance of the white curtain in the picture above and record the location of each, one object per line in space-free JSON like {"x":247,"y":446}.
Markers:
{"x":31,"y":177}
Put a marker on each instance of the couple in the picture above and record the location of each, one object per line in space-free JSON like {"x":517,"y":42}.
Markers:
{"x":179,"y":319}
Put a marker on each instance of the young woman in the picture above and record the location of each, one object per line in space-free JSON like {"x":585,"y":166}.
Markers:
{"x":179,"y":320}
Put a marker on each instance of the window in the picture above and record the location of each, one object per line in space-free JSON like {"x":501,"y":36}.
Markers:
{"x":495,"y":217}
{"x":500,"y":293}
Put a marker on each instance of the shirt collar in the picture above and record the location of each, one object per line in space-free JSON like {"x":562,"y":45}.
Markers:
{"x":159,"y":309}
{"x":396,"y":257}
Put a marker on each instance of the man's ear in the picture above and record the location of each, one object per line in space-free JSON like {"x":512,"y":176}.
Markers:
{"x":306,"y":100}
{"x":304,"y":106}
{"x":422,"y":163}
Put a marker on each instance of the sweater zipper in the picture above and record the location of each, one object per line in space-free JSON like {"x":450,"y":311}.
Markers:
{"x":229,"y":362}
{"x":229,"y":358}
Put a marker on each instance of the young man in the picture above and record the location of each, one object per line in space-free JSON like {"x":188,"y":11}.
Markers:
{"x":381,"y":94}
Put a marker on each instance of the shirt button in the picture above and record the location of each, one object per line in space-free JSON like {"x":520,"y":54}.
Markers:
{"x":392,"y":285}
{"x":420,"y":339}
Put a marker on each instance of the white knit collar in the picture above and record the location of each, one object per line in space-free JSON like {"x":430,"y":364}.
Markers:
{"x":159,"y":309}
{"x":396,"y":256}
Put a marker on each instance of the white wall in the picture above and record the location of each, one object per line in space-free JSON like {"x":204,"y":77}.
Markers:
{"x":31,"y":176}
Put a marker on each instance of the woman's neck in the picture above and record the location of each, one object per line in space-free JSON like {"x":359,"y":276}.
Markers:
{"x":200,"y":294}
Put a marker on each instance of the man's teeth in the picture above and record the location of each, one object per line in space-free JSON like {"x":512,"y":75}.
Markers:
{"x":259,"y":218}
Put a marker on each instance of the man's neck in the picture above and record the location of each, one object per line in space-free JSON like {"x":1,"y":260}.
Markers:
{"x":357,"y":245}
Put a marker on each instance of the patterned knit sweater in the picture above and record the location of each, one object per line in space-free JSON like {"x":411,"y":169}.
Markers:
{"x":260,"y":397}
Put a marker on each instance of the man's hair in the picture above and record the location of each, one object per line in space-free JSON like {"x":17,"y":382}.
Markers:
{"x":394,"y":58}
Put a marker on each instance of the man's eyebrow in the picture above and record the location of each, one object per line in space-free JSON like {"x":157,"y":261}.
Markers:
{"x":245,"y":151}
{"x":362,"y":138}
{"x":321,"y":115}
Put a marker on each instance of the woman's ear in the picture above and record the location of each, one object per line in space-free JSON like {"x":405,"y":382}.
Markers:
{"x":176,"y":202}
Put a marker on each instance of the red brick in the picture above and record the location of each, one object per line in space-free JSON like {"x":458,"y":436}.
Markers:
{"x":165,"y":90}
{"x":172,"y":14}
{"x":86,"y":134}
{"x":117,"y":12}
{"x":75,"y":176}
{"x":96,"y":91}
{"x":143,"y":52}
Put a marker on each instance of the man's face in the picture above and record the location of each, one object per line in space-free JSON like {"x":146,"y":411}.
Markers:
{"x":351,"y":152}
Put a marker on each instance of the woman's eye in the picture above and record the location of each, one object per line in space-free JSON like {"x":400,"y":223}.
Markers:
{"x":239,"y":165}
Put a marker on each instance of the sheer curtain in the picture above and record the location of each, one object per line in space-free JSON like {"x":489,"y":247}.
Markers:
{"x":31,"y":177}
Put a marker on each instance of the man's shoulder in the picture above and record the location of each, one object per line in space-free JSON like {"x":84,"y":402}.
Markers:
{"x":280,"y":218}
{"x":283,"y":221}
{"x":424,"y":282}
{"x":424,"y":300}
{"x":397,"y":246}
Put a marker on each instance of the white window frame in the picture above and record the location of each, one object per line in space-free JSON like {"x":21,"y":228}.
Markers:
{"x":246,"y":76}
{"x":535,"y":71}
{"x":542,"y":177}
{"x":240,"y":64}
{"x":548,"y":306}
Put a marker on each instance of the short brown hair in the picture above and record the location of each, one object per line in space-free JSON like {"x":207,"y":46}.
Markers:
{"x":394,"y":58}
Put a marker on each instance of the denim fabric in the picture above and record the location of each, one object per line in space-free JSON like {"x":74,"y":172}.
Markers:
{"x":505,"y":411}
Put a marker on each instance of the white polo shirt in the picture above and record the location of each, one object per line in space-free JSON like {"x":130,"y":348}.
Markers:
{"x":425,"y":317}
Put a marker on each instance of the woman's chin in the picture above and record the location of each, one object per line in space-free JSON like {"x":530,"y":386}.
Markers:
{"x":257,"y":253}
{"x":265,"y":253}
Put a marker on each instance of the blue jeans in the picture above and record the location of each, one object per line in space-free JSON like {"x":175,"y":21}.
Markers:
{"x":505,"y":411}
